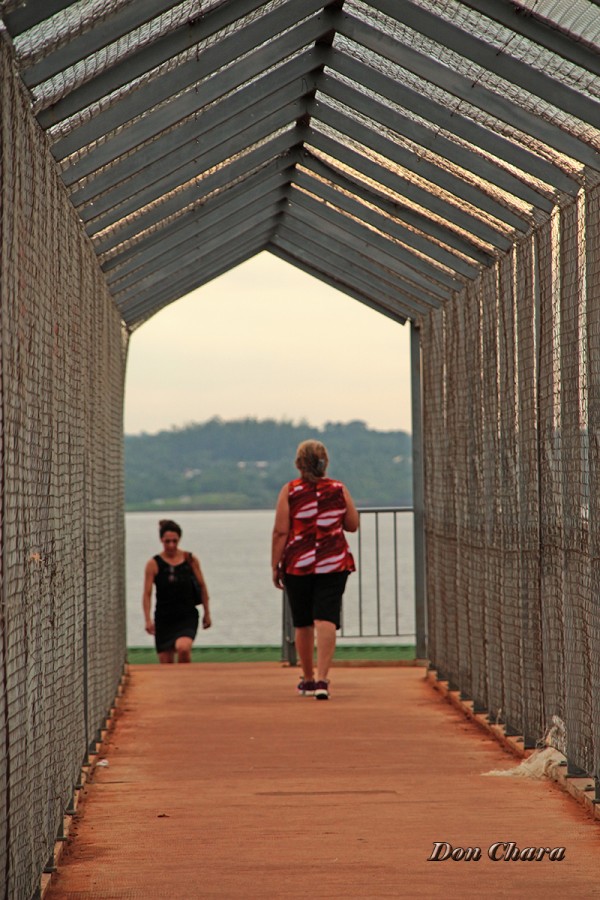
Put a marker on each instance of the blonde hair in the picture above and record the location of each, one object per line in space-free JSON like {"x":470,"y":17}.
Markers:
{"x":312,"y":460}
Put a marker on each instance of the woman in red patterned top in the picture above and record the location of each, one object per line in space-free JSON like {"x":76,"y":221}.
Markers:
{"x":311,"y":559}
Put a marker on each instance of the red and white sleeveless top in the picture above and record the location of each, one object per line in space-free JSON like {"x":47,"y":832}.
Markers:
{"x":316,"y":542}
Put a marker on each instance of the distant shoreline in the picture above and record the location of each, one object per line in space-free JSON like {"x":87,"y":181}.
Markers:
{"x":174,"y":507}
{"x":219,"y":466}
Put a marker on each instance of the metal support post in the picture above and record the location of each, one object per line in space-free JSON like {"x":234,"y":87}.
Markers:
{"x":575,"y":771}
{"x":418,"y":493}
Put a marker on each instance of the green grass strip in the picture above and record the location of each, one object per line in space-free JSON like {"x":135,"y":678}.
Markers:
{"x":383,"y":652}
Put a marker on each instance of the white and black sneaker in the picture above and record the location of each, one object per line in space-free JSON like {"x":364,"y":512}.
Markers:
{"x":306,"y":687}
{"x":322,"y":690}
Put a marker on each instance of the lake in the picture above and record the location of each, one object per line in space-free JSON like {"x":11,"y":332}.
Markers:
{"x":234,"y":547}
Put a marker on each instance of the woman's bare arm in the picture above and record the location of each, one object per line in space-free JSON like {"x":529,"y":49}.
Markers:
{"x":281,"y":530}
{"x":149,"y":575}
{"x":351,"y":518}
{"x":206,"y":617}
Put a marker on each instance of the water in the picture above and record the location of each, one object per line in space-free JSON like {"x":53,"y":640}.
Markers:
{"x":234,"y":547}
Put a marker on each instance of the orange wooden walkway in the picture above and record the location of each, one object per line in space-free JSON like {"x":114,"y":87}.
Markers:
{"x":222,"y":783}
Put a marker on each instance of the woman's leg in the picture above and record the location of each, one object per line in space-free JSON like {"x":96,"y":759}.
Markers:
{"x":299,"y":595}
{"x":305,"y":645}
{"x":183,"y":648}
{"x":166,"y":656}
{"x":325,"y":647}
{"x":329,"y":589}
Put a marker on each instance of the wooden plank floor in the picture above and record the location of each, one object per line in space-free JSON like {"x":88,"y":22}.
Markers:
{"x":222,"y":783}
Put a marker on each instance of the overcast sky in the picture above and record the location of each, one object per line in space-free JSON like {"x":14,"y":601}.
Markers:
{"x":268,"y":341}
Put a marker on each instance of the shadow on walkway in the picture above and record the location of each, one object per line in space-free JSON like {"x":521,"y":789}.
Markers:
{"x":222,"y":783}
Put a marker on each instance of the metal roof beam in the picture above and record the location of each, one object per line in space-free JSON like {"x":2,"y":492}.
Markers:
{"x":397,"y":211}
{"x":447,"y":211}
{"x":191,"y":254}
{"x":30,"y":13}
{"x":143,"y":309}
{"x":146,"y":306}
{"x":353,"y":251}
{"x":406,"y":189}
{"x":215,"y":209}
{"x":238,"y":168}
{"x":307,"y":222}
{"x":192,"y":278}
{"x":176,"y":266}
{"x":124,"y":201}
{"x":211,"y":214}
{"x":447,"y":181}
{"x":326,"y":279}
{"x":464,"y":128}
{"x":330,"y":217}
{"x":423,"y":136}
{"x":293,"y":79}
{"x":387,"y":225}
{"x":99,"y":34}
{"x":459,"y":86}
{"x":204,"y":235}
{"x":490,"y":58}
{"x":159,"y":121}
{"x":527,"y":23}
{"x":196,"y":213}
{"x":186,"y":77}
{"x":147,"y":58}
{"x":343,"y":272}
{"x":356,"y":267}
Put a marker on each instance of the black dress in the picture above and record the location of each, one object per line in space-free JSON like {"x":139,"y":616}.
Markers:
{"x":175,"y":614}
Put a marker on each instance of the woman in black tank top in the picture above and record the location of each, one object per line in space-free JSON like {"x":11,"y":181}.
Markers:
{"x":180,"y":587}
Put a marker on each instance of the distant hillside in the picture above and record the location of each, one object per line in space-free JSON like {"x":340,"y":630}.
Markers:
{"x":243,"y":464}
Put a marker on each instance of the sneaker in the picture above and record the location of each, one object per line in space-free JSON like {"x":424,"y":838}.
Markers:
{"x":306,"y":687}
{"x":322,"y":690}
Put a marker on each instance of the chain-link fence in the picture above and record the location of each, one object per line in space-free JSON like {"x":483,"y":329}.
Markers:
{"x":512,"y":422}
{"x":62,"y":629}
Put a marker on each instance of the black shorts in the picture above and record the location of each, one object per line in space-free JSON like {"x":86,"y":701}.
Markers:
{"x":315,"y":597}
{"x":168,"y":630}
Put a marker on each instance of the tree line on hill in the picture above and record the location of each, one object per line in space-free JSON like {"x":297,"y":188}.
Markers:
{"x":242,"y":464}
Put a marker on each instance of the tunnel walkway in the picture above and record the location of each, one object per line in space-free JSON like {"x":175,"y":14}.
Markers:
{"x":221,"y":783}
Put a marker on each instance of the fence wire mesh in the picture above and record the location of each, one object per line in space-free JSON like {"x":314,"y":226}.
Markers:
{"x":511,"y":420}
{"x":62,"y":360}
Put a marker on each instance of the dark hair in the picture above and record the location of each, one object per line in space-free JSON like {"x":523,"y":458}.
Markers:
{"x":312,"y":460}
{"x":168,"y":525}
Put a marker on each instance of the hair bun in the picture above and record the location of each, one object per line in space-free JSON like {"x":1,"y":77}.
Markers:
{"x":312,"y":459}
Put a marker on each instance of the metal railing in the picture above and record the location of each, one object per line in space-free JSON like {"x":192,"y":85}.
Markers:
{"x":379,"y":601}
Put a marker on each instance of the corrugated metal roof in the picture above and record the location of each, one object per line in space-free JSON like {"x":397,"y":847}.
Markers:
{"x":392,"y":149}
